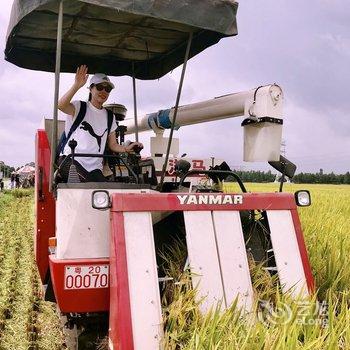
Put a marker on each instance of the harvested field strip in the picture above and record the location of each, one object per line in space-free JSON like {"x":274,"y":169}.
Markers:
{"x":26,"y":321}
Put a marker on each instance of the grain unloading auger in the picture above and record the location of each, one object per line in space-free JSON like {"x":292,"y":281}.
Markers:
{"x":103,"y":237}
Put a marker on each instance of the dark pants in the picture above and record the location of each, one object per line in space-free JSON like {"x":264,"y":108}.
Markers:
{"x":84,"y":175}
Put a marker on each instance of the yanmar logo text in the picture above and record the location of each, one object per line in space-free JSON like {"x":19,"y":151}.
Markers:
{"x":210,"y":199}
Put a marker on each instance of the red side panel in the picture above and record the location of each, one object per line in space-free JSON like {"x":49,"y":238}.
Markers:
{"x":120,"y":325}
{"x":303,"y":252}
{"x":78,"y":300}
{"x":44,"y":203}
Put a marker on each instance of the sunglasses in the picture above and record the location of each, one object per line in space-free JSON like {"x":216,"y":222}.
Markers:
{"x":101,"y":87}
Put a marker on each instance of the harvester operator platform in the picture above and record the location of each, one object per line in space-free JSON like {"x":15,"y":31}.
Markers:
{"x":90,"y":125}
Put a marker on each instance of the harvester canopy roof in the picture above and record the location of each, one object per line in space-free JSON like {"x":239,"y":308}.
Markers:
{"x":108,"y":35}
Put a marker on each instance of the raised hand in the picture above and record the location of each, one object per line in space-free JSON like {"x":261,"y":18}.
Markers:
{"x":81,"y":76}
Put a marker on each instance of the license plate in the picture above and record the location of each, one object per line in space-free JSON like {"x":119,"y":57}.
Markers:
{"x":86,"y":276}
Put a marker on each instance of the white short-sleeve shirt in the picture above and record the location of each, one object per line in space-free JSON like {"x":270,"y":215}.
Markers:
{"x":91,"y":135}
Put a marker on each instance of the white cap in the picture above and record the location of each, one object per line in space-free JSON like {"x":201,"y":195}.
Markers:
{"x":99,"y":78}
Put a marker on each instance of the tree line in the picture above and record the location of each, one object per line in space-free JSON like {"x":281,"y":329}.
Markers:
{"x":259,"y":176}
{"x":321,"y":178}
{"x":302,"y":178}
{"x":6,"y":170}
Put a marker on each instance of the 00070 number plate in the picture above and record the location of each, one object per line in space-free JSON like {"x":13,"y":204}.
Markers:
{"x":86,"y":276}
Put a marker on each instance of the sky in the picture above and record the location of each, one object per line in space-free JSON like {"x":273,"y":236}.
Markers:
{"x":303,"y":46}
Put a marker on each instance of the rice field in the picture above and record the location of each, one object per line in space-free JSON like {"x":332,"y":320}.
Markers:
{"x":319,"y":323}
{"x":26,"y":321}
{"x":323,"y":322}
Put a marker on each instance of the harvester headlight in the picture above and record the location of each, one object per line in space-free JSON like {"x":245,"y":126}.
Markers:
{"x":100,"y":200}
{"x":303,"y":198}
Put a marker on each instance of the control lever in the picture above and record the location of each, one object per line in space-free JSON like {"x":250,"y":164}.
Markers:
{"x":73,"y":176}
{"x":121,"y":130}
{"x":72,"y":144}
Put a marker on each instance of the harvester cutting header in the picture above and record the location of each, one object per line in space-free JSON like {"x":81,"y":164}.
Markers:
{"x":97,"y":243}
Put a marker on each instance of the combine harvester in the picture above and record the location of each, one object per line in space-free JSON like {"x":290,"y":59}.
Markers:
{"x":96,"y":244}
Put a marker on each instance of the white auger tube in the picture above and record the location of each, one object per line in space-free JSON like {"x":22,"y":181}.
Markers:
{"x":264,"y":101}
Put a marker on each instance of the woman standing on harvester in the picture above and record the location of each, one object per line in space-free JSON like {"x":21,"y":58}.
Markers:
{"x":95,"y":129}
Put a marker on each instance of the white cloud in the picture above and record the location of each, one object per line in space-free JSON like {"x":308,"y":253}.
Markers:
{"x":303,"y":46}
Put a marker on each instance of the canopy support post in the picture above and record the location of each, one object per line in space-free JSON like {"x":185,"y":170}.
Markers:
{"x":160,"y":186}
{"x":57,"y":86}
{"x":135,"y":103}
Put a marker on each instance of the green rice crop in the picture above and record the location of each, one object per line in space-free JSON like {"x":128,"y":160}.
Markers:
{"x":26,"y":321}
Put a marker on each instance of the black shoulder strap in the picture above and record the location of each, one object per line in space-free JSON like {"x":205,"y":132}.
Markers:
{"x":80,"y":117}
{"x":110,"y":117}
{"x":64,"y":138}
